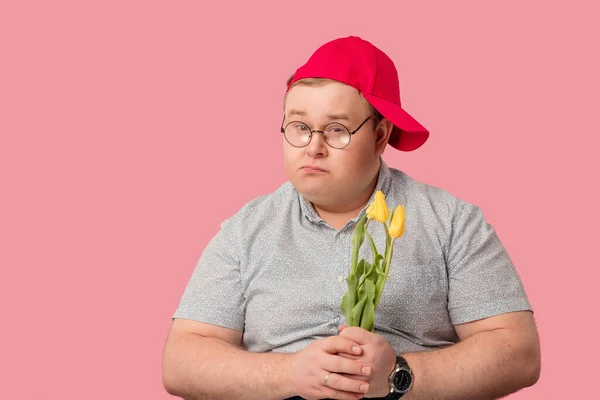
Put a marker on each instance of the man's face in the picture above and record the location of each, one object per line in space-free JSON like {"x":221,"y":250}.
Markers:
{"x":326,"y":176}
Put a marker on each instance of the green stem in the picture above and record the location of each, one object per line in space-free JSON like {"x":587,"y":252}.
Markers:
{"x":358,"y":245}
{"x":389,"y":248}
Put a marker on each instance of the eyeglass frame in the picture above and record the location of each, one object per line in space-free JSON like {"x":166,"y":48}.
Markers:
{"x":322,"y":132}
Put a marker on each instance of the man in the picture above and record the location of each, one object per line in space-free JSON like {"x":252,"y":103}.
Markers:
{"x":261,"y":318}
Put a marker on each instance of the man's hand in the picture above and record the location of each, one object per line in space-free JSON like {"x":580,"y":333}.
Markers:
{"x":308,"y":368}
{"x":376,"y":352}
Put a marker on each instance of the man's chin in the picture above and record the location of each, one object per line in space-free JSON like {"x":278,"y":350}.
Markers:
{"x":318,"y":194}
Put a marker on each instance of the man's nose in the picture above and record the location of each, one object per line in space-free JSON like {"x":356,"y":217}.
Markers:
{"x":317,"y":146}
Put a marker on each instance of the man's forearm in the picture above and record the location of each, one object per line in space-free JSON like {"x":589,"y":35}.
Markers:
{"x":487,"y":365}
{"x":197,"y":367}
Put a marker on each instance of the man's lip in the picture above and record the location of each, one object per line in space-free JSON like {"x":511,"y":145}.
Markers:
{"x":313,"y":167}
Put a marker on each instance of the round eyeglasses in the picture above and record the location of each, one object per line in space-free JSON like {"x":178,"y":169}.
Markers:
{"x":336,"y":135}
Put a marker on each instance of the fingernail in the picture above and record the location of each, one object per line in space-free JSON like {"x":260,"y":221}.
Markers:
{"x":364,"y":388}
{"x":366,"y":370}
{"x":356,"y":349}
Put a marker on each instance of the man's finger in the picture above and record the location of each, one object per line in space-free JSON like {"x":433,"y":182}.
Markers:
{"x":338,"y":344}
{"x":356,"y":334}
{"x":358,"y":377}
{"x":343,"y":365}
{"x":349,"y":356}
{"x":343,"y":383}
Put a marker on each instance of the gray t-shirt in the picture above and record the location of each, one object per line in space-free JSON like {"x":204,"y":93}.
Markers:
{"x":276,"y":271}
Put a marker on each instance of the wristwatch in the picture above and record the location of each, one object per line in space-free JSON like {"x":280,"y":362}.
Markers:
{"x":400,"y":379}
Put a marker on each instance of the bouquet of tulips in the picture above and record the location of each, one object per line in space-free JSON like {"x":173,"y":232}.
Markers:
{"x":367,"y":279}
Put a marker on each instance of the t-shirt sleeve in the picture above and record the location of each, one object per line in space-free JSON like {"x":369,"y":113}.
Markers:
{"x":482,"y":279}
{"x":214,"y":293}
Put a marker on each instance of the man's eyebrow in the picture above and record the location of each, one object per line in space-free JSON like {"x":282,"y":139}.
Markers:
{"x":296,"y":112}
{"x":329,"y":116}
{"x":338,"y":116}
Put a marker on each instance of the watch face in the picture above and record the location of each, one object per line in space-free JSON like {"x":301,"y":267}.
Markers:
{"x":402,"y":380}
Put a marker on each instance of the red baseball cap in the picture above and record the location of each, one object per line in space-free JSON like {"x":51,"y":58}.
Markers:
{"x":358,"y":63}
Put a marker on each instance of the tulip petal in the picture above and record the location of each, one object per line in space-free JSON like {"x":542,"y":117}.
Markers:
{"x":396,"y":228}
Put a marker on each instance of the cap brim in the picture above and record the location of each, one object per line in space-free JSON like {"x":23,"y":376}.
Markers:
{"x":408,"y":134}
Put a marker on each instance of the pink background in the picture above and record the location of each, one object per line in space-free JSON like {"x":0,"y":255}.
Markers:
{"x":122,"y":149}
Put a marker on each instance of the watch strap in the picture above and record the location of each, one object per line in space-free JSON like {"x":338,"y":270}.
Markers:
{"x":400,"y":363}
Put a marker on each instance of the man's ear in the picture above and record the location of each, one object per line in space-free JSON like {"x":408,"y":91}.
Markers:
{"x":383,"y":130}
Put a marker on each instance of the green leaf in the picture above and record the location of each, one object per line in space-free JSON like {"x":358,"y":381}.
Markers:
{"x":379,"y":287}
{"x":352,"y":283}
{"x":360,"y":268}
{"x":372,"y":274}
{"x":373,"y":247}
{"x":349,"y":299}
{"x":367,"y":320}
{"x":347,"y":306}
{"x":368,"y":269}
{"x":358,"y":236}
{"x":357,"y":311}
{"x":381,"y":272}
{"x":378,"y":261}
{"x":370,"y":288}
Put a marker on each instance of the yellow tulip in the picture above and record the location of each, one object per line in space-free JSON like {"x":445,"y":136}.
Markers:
{"x":396,"y":228}
{"x":378,"y":210}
